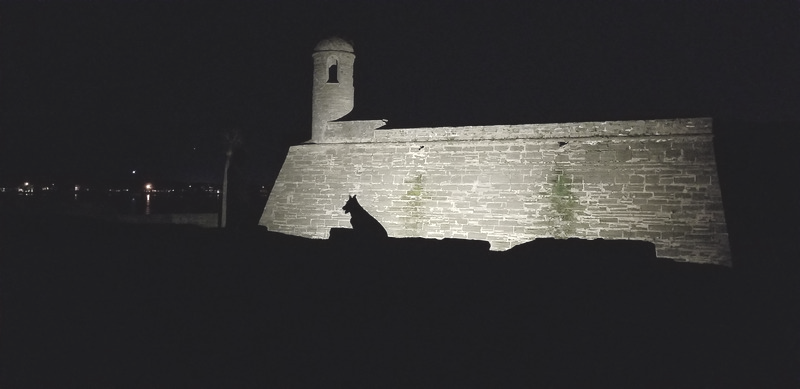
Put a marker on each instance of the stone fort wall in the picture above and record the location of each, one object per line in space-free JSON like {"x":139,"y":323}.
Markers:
{"x":653,"y":180}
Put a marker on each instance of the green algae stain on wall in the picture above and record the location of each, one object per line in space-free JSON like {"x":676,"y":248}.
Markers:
{"x":561,"y":212}
{"x":413,"y":214}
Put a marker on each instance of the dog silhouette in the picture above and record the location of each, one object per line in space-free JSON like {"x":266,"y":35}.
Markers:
{"x":363,"y":223}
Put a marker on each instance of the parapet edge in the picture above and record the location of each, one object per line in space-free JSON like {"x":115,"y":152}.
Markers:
{"x":632,"y":128}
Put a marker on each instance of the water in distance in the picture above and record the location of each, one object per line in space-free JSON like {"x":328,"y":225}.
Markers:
{"x":108,"y":202}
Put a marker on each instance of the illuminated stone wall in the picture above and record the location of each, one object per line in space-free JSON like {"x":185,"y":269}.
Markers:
{"x":650,"y":180}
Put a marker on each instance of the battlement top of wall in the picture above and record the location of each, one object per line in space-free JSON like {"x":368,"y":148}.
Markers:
{"x":632,"y":128}
{"x":370,"y":131}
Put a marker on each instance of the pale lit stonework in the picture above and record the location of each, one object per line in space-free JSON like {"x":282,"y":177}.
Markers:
{"x":651,"y":180}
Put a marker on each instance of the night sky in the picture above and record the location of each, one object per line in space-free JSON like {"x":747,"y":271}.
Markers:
{"x":92,"y":90}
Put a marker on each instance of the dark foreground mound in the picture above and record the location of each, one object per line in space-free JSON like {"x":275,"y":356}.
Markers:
{"x":94,"y":305}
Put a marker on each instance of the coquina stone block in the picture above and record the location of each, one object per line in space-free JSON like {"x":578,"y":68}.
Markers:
{"x":517,"y":185}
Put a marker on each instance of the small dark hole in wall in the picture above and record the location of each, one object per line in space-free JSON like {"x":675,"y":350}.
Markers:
{"x":421,"y":147}
{"x":562,"y":144}
{"x":333,"y":74}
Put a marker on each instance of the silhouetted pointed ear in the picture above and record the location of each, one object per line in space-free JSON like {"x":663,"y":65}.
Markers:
{"x":354,"y":196}
{"x":349,"y":196}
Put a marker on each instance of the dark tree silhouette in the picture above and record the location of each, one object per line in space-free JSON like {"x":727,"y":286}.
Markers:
{"x":233,"y":139}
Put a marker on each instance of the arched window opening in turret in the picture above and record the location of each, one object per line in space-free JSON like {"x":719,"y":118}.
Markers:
{"x":333,"y":73}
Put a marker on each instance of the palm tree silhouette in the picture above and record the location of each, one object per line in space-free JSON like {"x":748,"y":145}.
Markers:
{"x":233,"y":138}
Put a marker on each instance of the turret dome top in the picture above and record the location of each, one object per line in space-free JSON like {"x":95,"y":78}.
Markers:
{"x":334,"y":44}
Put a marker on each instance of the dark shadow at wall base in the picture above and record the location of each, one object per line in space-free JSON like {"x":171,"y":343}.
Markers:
{"x":98,"y":305}
{"x":348,"y":236}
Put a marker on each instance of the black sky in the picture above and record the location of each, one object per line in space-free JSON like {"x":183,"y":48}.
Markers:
{"x":92,"y":90}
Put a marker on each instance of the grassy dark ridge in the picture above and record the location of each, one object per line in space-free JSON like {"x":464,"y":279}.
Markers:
{"x":90,"y":304}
